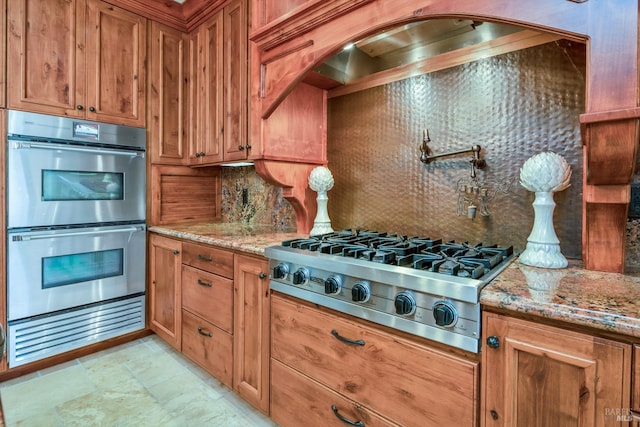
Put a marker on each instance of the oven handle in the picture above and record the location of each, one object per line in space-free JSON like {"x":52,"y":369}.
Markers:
{"x":24,"y":237}
{"x":130,"y":153}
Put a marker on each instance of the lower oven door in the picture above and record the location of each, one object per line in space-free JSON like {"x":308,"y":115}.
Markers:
{"x":52,"y":270}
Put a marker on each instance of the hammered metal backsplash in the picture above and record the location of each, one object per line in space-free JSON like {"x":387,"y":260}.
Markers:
{"x":514,"y":106}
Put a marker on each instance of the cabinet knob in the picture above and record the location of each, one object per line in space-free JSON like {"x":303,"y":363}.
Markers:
{"x":494,"y":414}
{"x":176,"y":252}
{"x":202,"y":154}
{"x":241,"y":147}
{"x":262,"y":275}
{"x":197,"y":154}
{"x":79,"y":107}
{"x":493,"y":341}
{"x":248,"y":146}
{"x":92,"y":109}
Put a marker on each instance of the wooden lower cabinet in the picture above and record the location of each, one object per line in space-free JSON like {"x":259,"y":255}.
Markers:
{"x":635,"y":396}
{"x":164,"y":299}
{"x":402,"y":380}
{"x":538,"y":375}
{"x":208,"y":346}
{"x":297,"y":400}
{"x":251,"y":330}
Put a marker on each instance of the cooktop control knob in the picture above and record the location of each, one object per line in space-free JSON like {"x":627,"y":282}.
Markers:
{"x":332,"y":285}
{"x":405,"y":304}
{"x":360,"y":292}
{"x":280,"y":271}
{"x":445,"y":313}
{"x":300,"y":276}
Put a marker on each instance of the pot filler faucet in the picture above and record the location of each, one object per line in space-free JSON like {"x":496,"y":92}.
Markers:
{"x":472,"y":195}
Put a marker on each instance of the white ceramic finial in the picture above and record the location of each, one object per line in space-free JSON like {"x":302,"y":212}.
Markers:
{"x":544,"y":174}
{"x":321,"y":181}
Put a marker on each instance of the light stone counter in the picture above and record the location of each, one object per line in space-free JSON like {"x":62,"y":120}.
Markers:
{"x":242,"y":237}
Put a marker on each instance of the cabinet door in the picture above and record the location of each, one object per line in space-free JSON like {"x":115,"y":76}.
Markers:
{"x":206,"y":146}
{"x":115,"y":70}
{"x":45,"y":56}
{"x":168,"y":95}
{"x":235,"y":81}
{"x":536,"y":375}
{"x":164,"y":299}
{"x":251,"y":331}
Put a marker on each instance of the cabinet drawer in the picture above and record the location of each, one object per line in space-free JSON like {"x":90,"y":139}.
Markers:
{"x":209,"y":296}
{"x":297,"y":400}
{"x":208,"y":346}
{"x":207,"y":258}
{"x":408,"y":383}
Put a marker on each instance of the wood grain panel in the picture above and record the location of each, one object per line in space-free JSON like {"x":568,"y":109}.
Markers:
{"x":168,"y":95}
{"x":182,"y":194}
{"x":542,"y":375}
{"x":208,"y":346}
{"x":164,"y":288}
{"x":208,"y":296}
{"x":116,"y":65}
{"x":43,"y":64}
{"x":251,"y":331}
{"x":298,"y":400}
{"x":208,"y":258}
{"x":441,"y":389}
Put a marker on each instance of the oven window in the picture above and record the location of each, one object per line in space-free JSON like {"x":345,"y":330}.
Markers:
{"x":75,"y":268}
{"x":60,"y":185}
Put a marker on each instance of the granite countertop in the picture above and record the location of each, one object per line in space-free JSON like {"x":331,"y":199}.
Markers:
{"x":606,"y":301}
{"x":238,"y":236}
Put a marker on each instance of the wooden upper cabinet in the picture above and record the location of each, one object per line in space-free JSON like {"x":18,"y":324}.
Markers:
{"x":541,"y":375}
{"x":77,"y":58}
{"x":219,"y":84}
{"x":45,"y":56}
{"x":168,"y":95}
{"x":236,"y":146}
{"x":116,"y":56}
{"x":205,"y":146}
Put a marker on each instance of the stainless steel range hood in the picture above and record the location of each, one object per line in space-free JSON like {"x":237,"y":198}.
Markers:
{"x":407,"y":44}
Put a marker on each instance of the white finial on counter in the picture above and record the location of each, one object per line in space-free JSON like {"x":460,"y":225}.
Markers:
{"x":544,"y":174}
{"x":321,"y":181}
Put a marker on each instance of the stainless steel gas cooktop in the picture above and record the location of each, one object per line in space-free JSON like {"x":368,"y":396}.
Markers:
{"x":419,"y":285}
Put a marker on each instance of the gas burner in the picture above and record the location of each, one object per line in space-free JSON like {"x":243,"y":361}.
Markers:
{"x":420,"y":285}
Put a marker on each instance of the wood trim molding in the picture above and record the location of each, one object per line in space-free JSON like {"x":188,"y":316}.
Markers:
{"x":183,"y":17}
{"x":301,"y":20}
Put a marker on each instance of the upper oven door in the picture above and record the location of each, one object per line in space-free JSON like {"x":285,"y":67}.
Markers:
{"x":63,"y":184}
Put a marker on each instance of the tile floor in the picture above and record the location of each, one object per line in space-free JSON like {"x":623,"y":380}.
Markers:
{"x":141,"y":383}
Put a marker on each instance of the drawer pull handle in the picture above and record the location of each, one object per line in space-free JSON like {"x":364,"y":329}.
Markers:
{"x":205,"y":258}
{"x":201,"y":283}
{"x":203,"y":333}
{"x":346,"y":340}
{"x":345,"y":420}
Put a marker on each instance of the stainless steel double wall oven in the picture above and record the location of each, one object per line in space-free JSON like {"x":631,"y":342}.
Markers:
{"x":76,"y":233}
